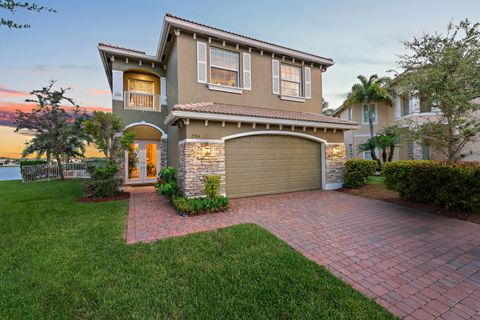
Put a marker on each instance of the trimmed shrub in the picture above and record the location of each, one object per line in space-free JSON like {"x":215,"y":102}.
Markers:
{"x":357,"y":172}
{"x":167,"y":182}
{"x":194,"y":206}
{"x":102,"y":182}
{"x":31,"y":162}
{"x":102,"y":188}
{"x":212,"y":186}
{"x":455,"y":186}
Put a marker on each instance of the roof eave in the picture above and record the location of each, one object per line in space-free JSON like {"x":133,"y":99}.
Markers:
{"x":176,"y":115}
{"x":174,"y":22}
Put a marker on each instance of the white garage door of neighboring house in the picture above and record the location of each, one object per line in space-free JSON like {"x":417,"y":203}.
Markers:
{"x":268,"y":164}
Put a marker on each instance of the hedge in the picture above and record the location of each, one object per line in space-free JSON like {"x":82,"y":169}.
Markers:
{"x":455,"y":186}
{"x":357,"y":172}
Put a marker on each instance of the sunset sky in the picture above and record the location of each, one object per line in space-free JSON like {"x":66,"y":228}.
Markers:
{"x":362,"y":37}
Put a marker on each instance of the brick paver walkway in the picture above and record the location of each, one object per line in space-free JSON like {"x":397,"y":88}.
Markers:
{"x":418,"y":265}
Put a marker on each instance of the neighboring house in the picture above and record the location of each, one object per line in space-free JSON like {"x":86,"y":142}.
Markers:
{"x":404,"y":111}
{"x":215,"y":102}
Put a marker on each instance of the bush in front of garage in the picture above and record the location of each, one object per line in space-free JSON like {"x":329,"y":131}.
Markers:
{"x":357,"y":172}
{"x":451,"y":185}
{"x":213,"y":202}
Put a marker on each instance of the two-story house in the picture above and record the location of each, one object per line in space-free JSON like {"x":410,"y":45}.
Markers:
{"x":215,"y":102}
{"x":406,"y":110}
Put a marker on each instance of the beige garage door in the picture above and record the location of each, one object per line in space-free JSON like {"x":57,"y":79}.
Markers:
{"x":268,"y":164}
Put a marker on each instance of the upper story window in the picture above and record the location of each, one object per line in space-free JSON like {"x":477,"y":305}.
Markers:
{"x":291,"y":80}
{"x":141,"y":86}
{"x":224,"y":67}
{"x":405,"y":100}
{"x":349,"y":114}
{"x":366,"y":113}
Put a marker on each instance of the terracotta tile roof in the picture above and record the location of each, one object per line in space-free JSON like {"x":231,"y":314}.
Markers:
{"x":223,"y":109}
{"x":114,"y":46}
{"x":246,"y":37}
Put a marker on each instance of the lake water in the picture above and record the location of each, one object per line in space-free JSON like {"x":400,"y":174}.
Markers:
{"x":10,"y":173}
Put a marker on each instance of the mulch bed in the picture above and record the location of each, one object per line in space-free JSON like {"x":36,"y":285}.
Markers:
{"x":122,"y":196}
{"x":378,"y":192}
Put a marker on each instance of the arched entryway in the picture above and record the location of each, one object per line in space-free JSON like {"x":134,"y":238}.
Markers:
{"x":145,"y":157}
{"x":259,"y":163}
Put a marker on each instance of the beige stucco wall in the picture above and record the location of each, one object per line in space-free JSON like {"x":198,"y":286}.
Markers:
{"x":189,"y":90}
{"x":214,"y":130}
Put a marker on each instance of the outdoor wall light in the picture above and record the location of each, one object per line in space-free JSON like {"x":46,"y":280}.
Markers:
{"x":335,"y":151}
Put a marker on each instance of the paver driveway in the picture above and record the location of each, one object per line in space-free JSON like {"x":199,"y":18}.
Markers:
{"x":415,"y":264}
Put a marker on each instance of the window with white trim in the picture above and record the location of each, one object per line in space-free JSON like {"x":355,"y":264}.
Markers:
{"x":367,"y":155}
{"x":291,"y":80}
{"x":366,"y":113}
{"x":224,"y":67}
{"x":349,"y":114}
{"x":405,"y":99}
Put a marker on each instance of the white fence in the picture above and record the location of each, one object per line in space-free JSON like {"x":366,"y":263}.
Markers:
{"x":50,"y":172}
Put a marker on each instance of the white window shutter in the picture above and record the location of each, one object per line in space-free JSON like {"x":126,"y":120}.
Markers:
{"x":247,"y":71}
{"x":117,"y":85}
{"x":201,"y":62}
{"x":275,"y":76}
{"x":308,"y":82}
{"x":163,"y":91}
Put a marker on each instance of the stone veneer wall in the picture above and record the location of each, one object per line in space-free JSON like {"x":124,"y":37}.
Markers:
{"x":197,"y":160}
{"x":163,"y":153}
{"x":334,"y":165}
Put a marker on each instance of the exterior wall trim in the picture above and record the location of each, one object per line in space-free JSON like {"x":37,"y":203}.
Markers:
{"x":202,"y":141}
{"x":174,"y":115}
{"x":143,"y":123}
{"x":274,"y":132}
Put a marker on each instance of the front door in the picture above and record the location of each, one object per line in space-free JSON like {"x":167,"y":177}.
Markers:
{"x":142,"y":162}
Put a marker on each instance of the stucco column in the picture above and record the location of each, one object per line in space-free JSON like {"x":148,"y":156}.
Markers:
{"x":334,"y":165}
{"x":198,"y":159}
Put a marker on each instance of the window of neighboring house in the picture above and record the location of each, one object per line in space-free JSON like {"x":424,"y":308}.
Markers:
{"x":410,"y":150}
{"x":291,"y":80}
{"x":349,"y":114}
{"x":367,"y":155}
{"x":423,"y":106}
{"x":350,"y":151}
{"x":366,"y":113}
{"x":405,"y":99}
{"x":224,"y":67}
{"x":425,"y":152}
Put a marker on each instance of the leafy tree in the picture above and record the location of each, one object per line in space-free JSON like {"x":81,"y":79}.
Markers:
{"x":13,"y":6}
{"x":58,"y":133}
{"x":443,"y":70}
{"x":368,"y":91}
{"x":104,"y":130}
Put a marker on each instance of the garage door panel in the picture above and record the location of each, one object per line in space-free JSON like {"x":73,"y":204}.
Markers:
{"x":271,"y":164}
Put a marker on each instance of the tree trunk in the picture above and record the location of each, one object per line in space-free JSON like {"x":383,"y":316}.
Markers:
{"x":390,"y":155}
{"x":60,"y":168}
{"x":384,"y":155}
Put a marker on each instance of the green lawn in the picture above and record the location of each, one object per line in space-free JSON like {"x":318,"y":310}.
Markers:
{"x":378,"y":180}
{"x":61,"y":259}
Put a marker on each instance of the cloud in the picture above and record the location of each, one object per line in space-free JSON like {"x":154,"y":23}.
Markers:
{"x":7,"y":93}
{"x":99,"y":92}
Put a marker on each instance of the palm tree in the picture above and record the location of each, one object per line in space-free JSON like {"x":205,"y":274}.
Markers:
{"x":386,"y":140}
{"x":370,"y":91}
